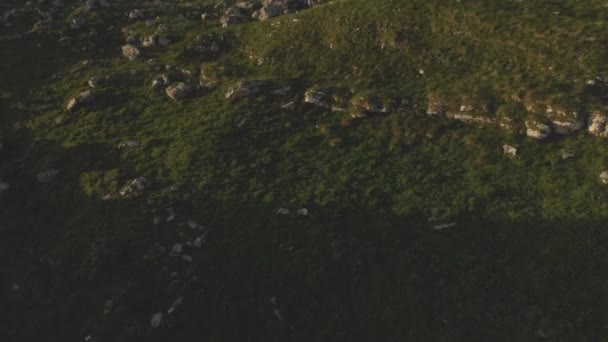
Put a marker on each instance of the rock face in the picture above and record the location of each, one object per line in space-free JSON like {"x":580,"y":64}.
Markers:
{"x":130,"y":52}
{"x":135,"y":187}
{"x":178,"y":91}
{"x":82,"y":99}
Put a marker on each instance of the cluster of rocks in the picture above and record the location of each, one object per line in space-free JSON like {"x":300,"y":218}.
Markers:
{"x":542,"y":122}
{"x":240,"y":12}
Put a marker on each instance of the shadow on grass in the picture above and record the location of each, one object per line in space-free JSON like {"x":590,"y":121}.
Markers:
{"x":338,"y":274}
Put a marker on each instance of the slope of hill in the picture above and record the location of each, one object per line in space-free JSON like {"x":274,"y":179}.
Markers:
{"x":303,"y":170}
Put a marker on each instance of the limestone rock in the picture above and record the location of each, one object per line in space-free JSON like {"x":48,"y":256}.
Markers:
{"x":130,"y":52}
{"x":509,"y":150}
{"x":538,"y":130}
{"x":604,"y":177}
{"x":597,"y":124}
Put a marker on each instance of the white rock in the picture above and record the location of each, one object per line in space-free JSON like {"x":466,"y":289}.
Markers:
{"x":604,"y":177}
{"x":444,"y":226}
{"x":136,"y":14}
{"x":283,"y":211}
{"x":177,"y":248}
{"x":156,"y":320}
{"x":187,"y":258}
{"x":302,"y":212}
{"x":509,"y":150}
{"x":4,"y":186}
{"x":198,"y":242}
{"x":193,"y":224}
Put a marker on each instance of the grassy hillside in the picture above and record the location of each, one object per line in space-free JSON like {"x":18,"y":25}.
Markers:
{"x":369,"y":260}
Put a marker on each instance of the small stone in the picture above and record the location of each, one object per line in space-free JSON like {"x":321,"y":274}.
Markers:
{"x":198,"y":242}
{"x":187,"y":258}
{"x":156,"y":320}
{"x":15,"y":287}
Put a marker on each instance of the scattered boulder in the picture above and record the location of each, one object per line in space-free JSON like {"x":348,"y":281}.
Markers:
{"x":283,"y":211}
{"x":302,"y":212}
{"x":538,"y":130}
{"x":597,"y":124}
{"x":149,"y":41}
{"x":509,"y":150}
{"x":130,"y":144}
{"x":95,"y":81}
{"x":177,"y":249}
{"x":235,"y":15}
{"x":136,"y":14}
{"x":178,"y":91}
{"x":47,"y":176}
{"x":135,"y":187}
{"x":319,"y":98}
{"x":4,"y":186}
{"x":245,"y":89}
{"x":83,"y":98}
{"x":157,"y":320}
{"x":567,"y":154}
{"x":604,"y":177}
{"x":130,"y":52}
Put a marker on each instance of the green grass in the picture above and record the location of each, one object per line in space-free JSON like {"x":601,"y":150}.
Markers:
{"x":527,"y":253}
